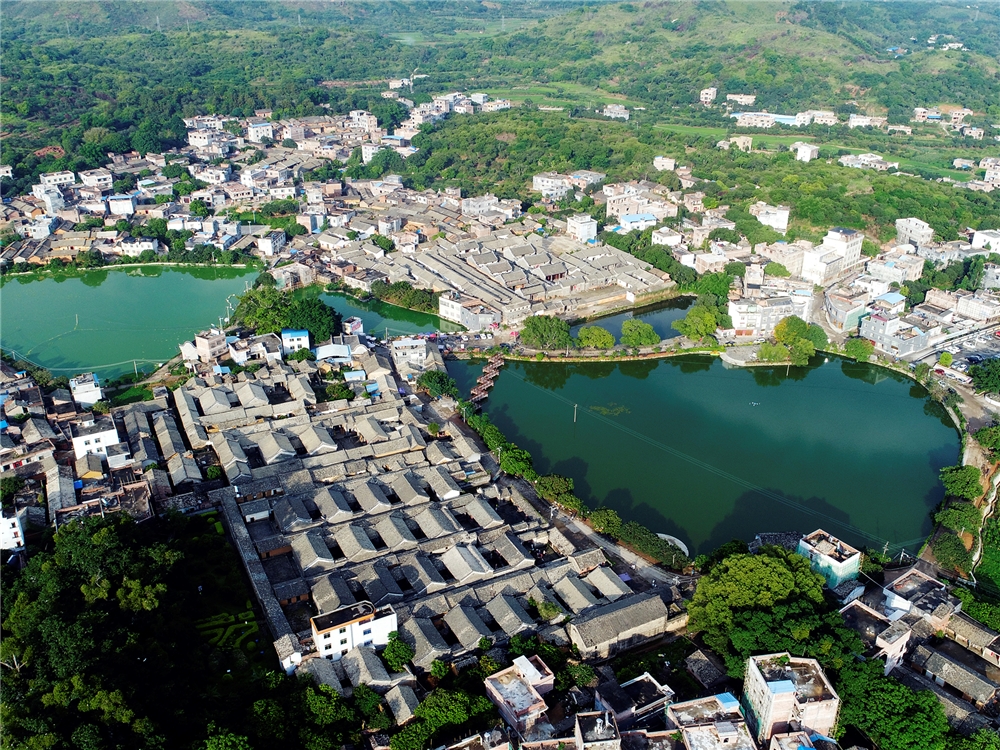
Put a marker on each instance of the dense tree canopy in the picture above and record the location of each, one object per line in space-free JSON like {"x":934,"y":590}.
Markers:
{"x":266,"y":309}
{"x":765,"y":603}
{"x":636,"y":333}
{"x":595,"y":337}
{"x":546,"y":332}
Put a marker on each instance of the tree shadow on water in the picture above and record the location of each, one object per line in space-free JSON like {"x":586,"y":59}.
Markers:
{"x":549,"y":375}
{"x":691,"y":363}
{"x":577,"y":469}
{"x":639,"y":369}
{"x":755,"y":512}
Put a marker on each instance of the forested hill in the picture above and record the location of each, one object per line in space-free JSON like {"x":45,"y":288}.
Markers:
{"x":115,"y":81}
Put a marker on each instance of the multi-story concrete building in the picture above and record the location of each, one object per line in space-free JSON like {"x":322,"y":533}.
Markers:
{"x":757,"y":318}
{"x":210,"y":344}
{"x":97,"y":178}
{"x":782,"y":691}
{"x":470,"y":312}
{"x":914,"y":232}
{"x":896,"y":267}
{"x":517,"y":692}
{"x":896,"y":335}
{"x":744,"y":100}
{"x":581,"y":228}
{"x":56,"y":179}
{"x":707,"y":96}
{"x":833,"y":559}
{"x":11,"y":532}
{"x":775,"y":217}
{"x":616,"y":111}
{"x":360,"y":624}
{"x":551,"y":184}
{"x":93,"y":436}
{"x":804,"y":151}
{"x":86,"y":389}
{"x":664,"y":164}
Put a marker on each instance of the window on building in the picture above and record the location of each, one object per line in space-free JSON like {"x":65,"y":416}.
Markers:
{"x":96,"y":440}
{"x":344,"y":651}
{"x":326,"y":636}
{"x":343,"y":630}
{"x":366,"y":631}
{"x":368,"y":643}
{"x":86,"y":442}
{"x":343,"y":641}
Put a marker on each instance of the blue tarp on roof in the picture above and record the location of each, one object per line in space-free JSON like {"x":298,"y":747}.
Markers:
{"x":781,"y":686}
{"x":729,"y":703}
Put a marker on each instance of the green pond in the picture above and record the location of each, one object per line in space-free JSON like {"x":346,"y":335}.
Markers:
{"x":692,"y":448}
{"x":659,"y":315}
{"x":102,"y":321}
{"x":379,"y":316}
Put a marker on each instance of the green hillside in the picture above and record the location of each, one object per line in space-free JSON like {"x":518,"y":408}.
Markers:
{"x":114,"y":82}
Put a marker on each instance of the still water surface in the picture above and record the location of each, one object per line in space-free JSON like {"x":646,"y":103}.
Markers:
{"x":103,"y":320}
{"x":691,"y":448}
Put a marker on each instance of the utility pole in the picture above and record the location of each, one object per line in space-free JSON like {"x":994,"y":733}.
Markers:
{"x":135,"y":367}
{"x":158,"y":29}
{"x":574,"y":413}
{"x":188,"y":26}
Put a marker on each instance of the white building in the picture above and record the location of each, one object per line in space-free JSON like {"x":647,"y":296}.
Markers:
{"x":914,"y":231}
{"x":757,"y":317}
{"x":707,"y":96}
{"x":755,"y":120}
{"x":744,"y":100}
{"x":55,"y":179}
{"x":293,"y":339}
{"x":616,"y":111}
{"x":257,"y":132}
{"x":804,"y":151}
{"x":667,"y":236}
{"x":664,"y":164}
{"x":833,"y":559}
{"x":782,"y":690}
{"x":97,"y":178}
{"x":337,"y":632}
{"x":408,"y":351}
{"x":775,"y":217}
{"x":496,"y":105}
{"x":896,"y":267}
{"x":121,"y":205}
{"x":93,"y":436}
{"x":868,"y":161}
{"x":631,"y":222}
{"x":86,"y":390}
{"x":986,"y":238}
{"x":368,"y":151}
{"x":865,"y":121}
{"x":271,"y":243}
{"x":11,"y":533}
{"x":581,"y":227}
{"x":551,"y":184}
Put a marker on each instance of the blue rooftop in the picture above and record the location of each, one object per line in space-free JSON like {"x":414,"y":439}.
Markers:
{"x":893,"y":298}
{"x":729,"y":703}
{"x":781,"y":686}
